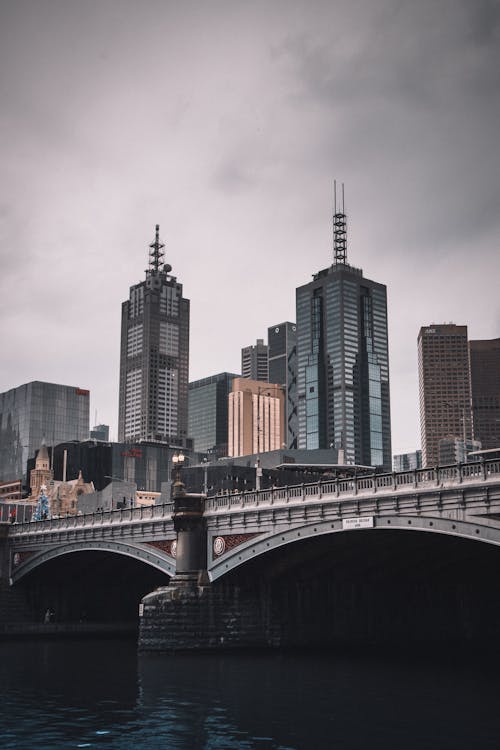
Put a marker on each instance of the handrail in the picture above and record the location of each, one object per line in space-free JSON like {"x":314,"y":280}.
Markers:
{"x":341,"y":488}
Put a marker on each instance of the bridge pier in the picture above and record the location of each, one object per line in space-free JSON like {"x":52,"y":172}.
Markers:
{"x":190,"y":613}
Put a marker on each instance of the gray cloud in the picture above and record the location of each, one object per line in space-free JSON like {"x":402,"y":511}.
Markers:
{"x":226,"y":123}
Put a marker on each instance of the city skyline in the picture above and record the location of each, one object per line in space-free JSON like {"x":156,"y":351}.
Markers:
{"x":120,"y":120}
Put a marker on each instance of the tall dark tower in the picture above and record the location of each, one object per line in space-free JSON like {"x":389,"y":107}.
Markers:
{"x":343,"y":359}
{"x":154,"y":357}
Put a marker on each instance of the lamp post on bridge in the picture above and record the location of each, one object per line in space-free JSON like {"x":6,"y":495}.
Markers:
{"x":189,"y":525}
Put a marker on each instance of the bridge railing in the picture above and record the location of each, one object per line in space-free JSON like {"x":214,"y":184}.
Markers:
{"x":102,"y":518}
{"x":342,"y":488}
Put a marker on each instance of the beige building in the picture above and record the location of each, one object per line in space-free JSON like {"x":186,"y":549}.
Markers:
{"x":256,"y":417}
{"x":145,"y":497}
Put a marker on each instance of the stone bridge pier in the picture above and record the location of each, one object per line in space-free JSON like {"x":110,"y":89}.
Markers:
{"x":191,"y":612}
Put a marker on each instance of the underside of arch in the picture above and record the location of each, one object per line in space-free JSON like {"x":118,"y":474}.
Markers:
{"x":436,"y":525}
{"x":140,"y":552}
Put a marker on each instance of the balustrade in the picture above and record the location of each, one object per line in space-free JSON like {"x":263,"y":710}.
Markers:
{"x":343,"y":489}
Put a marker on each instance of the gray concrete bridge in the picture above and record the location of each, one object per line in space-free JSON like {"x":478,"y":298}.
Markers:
{"x":461,"y":501}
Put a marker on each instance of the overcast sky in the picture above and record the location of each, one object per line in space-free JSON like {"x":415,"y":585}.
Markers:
{"x":226,"y":123}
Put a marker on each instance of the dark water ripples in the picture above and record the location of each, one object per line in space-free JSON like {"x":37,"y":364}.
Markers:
{"x":101,"y":695}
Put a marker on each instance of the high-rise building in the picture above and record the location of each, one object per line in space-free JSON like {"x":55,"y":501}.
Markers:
{"x":100,"y":432}
{"x":485,"y":387}
{"x":256,"y":417}
{"x":456,"y":450}
{"x":444,"y":387}
{"x":282,"y":351}
{"x":208,"y":413}
{"x":343,"y":360}
{"x":254,"y":362}
{"x":407,"y":461}
{"x":34,"y":412}
{"x":154,"y":358}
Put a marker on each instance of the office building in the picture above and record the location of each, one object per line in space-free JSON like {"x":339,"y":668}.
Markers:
{"x":254,"y":362}
{"x":34,"y":412}
{"x":407,"y":461}
{"x":147,"y":465}
{"x":208,"y":413}
{"x":100,"y":432}
{"x":456,"y":450}
{"x":444,"y":387}
{"x":282,"y":358}
{"x":343,"y":361}
{"x":256,"y":417}
{"x":485,"y":388}
{"x":154,"y":357}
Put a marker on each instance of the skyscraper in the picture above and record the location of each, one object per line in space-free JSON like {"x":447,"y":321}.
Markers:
{"x":254,"y":361}
{"x":444,"y":387}
{"x":208,"y":415}
{"x":35,"y":411}
{"x":256,"y":417}
{"x":282,"y":351}
{"x":343,"y":360}
{"x":485,"y":387}
{"x":154,"y":358}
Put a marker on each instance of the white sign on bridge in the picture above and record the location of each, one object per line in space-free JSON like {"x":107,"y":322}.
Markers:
{"x":358,"y":522}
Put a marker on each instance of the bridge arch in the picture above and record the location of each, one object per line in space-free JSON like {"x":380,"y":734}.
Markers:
{"x":140,"y":552}
{"x":478,"y":532}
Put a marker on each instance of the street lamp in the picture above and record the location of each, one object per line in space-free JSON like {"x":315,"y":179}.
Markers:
{"x":205,"y":461}
{"x":178,"y":461}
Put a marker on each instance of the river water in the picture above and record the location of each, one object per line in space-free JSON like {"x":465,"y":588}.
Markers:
{"x":101,"y":694}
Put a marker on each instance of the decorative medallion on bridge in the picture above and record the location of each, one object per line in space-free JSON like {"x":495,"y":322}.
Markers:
{"x":20,"y":557}
{"x":173,"y":548}
{"x":219,"y":546}
{"x":222,"y":544}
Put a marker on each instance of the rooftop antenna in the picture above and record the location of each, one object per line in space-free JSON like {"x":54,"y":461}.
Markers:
{"x":339,"y":229}
{"x":156,"y":252}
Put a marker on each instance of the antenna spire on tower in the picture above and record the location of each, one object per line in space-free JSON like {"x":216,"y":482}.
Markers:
{"x":339,"y":228}
{"x":156,"y":252}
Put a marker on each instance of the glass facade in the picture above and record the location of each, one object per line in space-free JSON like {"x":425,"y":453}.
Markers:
{"x":34,"y":412}
{"x":343,"y":366}
{"x":147,"y":465}
{"x":282,"y":347}
{"x":208,"y":413}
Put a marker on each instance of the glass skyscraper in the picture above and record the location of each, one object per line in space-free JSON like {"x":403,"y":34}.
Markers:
{"x":282,"y":349}
{"x":208,"y":413}
{"x":343,"y":361}
{"x":34,"y":412}
{"x":154,"y":357}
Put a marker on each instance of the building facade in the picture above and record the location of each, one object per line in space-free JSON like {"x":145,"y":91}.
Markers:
{"x":34,"y":412}
{"x":485,"y":391}
{"x":146,"y":465}
{"x":282,"y":358}
{"x":343,"y":361}
{"x":256,"y":417}
{"x":100,"y":432}
{"x":407,"y":461}
{"x":456,"y":450}
{"x":208,"y":413}
{"x":154,"y":357}
{"x":444,"y":387}
{"x":254,"y":364}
